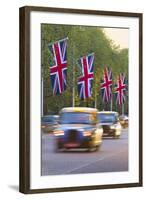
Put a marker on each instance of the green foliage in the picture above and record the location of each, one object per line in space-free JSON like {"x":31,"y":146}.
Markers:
{"x":82,"y":40}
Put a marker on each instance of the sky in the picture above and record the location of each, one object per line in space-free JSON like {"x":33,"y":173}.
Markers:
{"x":118,"y":35}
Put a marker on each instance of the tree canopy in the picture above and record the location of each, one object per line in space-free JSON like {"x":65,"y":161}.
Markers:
{"x":82,"y":40}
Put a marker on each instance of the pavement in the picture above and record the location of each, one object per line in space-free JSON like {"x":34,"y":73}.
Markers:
{"x":111,"y":157}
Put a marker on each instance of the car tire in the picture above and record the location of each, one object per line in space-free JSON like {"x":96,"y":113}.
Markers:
{"x":58,"y":147}
{"x":97,"y":147}
{"x":93,"y":148}
{"x":116,"y":136}
{"x":90,"y":149}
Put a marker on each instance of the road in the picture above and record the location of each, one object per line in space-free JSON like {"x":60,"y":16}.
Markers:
{"x":111,"y":157}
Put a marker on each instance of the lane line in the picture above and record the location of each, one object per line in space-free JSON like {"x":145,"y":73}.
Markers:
{"x":85,"y":165}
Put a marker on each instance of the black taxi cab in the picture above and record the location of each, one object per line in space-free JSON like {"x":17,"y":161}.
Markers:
{"x":78,"y":128}
{"x":110,"y":123}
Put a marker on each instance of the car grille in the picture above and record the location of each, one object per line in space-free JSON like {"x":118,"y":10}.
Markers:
{"x":105,"y":128}
{"x":72,"y":135}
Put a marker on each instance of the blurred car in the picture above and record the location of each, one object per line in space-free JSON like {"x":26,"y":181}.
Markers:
{"x":78,"y":128}
{"x":110,"y":123}
{"x":49,"y":123}
{"x":124,"y":121}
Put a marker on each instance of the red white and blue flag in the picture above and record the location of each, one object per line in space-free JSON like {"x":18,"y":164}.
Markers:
{"x":120,"y":89}
{"x":58,"y":72}
{"x":85,"y":81}
{"x":106,"y":85}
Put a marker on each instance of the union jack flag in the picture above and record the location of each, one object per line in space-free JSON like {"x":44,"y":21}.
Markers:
{"x":85,"y":81}
{"x":120,"y":89}
{"x":58,"y":72}
{"x":106,"y":85}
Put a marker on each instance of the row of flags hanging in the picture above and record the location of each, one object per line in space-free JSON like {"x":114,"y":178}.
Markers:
{"x":58,"y":75}
{"x":120,"y":87}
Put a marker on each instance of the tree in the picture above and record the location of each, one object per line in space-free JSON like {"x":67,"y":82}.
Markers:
{"x":82,"y":40}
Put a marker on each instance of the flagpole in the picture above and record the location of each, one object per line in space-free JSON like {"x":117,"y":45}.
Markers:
{"x":95,"y":105}
{"x":73,"y":87}
{"x":111,"y":101}
{"x":42,"y":74}
{"x":112,"y":92}
{"x":42,"y":96}
{"x":123,"y":109}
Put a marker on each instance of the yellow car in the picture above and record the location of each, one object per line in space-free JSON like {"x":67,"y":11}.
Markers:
{"x":78,"y":128}
{"x":110,"y":123}
{"x":124,"y":121}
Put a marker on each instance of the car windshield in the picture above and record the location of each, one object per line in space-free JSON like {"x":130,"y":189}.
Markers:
{"x":107,"y":117}
{"x":77,"y":118}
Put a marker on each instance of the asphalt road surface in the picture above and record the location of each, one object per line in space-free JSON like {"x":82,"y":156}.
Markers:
{"x":111,"y":157}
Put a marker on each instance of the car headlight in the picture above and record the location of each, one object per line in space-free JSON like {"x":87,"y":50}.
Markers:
{"x":87,"y":133}
{"x":113,"y":126}
{"x":58,"y":132}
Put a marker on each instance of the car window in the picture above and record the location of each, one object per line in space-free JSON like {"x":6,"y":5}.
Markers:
{"x":77,"y":118}
{"x":48,"y":119}
{"x":107,"y":117}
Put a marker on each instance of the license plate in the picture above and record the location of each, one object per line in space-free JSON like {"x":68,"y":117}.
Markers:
{"x":71,"y":145}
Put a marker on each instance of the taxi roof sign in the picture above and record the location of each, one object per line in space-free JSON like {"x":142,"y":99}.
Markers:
{"x":79,"y":109}
{"x":108,"y":112}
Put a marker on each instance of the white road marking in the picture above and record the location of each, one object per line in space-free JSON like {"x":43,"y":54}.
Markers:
{"x":85,"y":165}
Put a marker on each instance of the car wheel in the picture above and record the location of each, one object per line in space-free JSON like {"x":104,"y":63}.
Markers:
{"x":93,"y":148}
{"x":90,"y":149}
{"x":116,"y":136}
{"x":98,"y":147}
{"x":58,"y":147}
